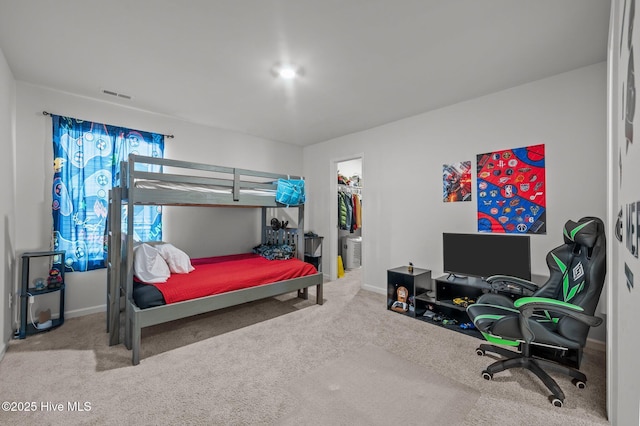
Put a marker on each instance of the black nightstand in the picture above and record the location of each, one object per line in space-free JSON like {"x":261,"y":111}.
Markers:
{"x":313,"y":250}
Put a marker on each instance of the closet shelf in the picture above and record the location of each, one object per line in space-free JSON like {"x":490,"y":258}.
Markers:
{"x":346,"y":188}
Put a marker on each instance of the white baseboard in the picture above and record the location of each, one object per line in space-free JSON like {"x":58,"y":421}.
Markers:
{"x":68,"y":314}
{"x":374,"y":289}
{"x":596,"y":345}
{"x":85,"y":311}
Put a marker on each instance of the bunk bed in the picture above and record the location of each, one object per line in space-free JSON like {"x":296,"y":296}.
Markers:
{"x":181,"y":183}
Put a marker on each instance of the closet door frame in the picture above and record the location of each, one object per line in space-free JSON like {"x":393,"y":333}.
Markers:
{"x":332,"y":239}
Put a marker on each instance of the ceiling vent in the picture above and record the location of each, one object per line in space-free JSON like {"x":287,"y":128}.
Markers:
{"x":116,"y":94}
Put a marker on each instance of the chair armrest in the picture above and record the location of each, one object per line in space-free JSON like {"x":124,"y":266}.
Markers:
{"x":527,"y":305}
{"x":512,"y":282}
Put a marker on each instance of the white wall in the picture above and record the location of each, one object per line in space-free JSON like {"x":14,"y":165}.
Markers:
{"x":624,"y":175}
{"x":199,"y":231}
{"x":403,"y":213}
{"x":351,"y":168}
{"x":7,"y":191}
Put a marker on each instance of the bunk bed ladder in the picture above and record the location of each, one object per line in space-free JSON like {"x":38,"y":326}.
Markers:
{"x":126,"y":265}
{"x":114,"y":241}
{"x":303,"y":293}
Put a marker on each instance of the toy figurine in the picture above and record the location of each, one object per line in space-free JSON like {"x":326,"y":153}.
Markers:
{"x":54,"y":280}
{"x":38,"y":284}
{"x":400,"y":305}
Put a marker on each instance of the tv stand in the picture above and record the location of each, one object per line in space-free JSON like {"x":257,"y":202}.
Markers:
{"x":424,"y":297}
{"x":450,"y":287}
{"x":447,"y":288}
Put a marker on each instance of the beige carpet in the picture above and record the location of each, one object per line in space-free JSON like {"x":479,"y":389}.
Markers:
{"x":358,"y":388}
{"x":261,"y":364}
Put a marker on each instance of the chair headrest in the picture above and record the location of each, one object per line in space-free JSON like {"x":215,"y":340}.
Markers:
{"x":583,"y":232}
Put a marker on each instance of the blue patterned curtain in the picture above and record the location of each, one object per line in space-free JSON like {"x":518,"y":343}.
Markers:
{"x":86,"y":162}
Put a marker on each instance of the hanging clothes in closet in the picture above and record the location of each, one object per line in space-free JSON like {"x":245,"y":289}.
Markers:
{"x":345,"y":211}
{"x":357,"y":212}
{"x":342,"y":211}
{"x":349,"y":210}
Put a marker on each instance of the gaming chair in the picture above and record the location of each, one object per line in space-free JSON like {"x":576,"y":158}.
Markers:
{"x":555,"y":317}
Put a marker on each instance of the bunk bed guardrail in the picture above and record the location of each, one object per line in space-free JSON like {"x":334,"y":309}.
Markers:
{"x":222,"y":185}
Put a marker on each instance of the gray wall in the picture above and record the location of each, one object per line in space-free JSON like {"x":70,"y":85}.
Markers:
{"x":403,"y":212}
{"x":199,"y":231}
{"x":7,"y":193}
{"x":624,"y":175}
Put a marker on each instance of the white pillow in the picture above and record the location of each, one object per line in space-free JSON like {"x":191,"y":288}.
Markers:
{"x":178,"y":261}
{"x":148,"y":265}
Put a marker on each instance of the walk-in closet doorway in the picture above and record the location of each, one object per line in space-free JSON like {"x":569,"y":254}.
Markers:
{"x":346,"y":242}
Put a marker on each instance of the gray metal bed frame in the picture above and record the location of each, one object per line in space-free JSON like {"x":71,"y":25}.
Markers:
{"x":240,"y":189}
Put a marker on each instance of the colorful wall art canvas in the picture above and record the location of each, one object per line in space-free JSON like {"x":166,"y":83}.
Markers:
{"x":512,"y":191}
{"x":456,"y":182}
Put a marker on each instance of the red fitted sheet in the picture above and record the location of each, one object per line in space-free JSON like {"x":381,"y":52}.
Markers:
{"x":221,"y":274}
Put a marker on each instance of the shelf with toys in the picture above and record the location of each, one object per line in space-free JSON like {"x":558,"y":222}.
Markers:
{"x":53,"y":283}
{"x":443,"y":300}
{"x":412,"y":292}
{"x":405,"y":285}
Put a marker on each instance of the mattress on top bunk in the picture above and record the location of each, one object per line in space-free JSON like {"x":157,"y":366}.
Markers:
{"x":178,"y":186}
{"x":220,"y":274}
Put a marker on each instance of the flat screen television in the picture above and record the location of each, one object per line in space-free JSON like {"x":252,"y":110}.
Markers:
{"x":483,"y":255}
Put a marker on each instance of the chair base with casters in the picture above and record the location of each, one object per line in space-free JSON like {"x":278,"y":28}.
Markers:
{"x":537,"y":366}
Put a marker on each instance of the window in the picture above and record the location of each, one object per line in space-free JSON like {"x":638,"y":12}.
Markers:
{"x":86,"y":164}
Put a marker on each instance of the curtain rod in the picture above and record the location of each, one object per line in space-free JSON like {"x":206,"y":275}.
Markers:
{"x":48,"y":113}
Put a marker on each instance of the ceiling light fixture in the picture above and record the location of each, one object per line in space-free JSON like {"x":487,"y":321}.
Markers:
{"x":286,"y":71}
